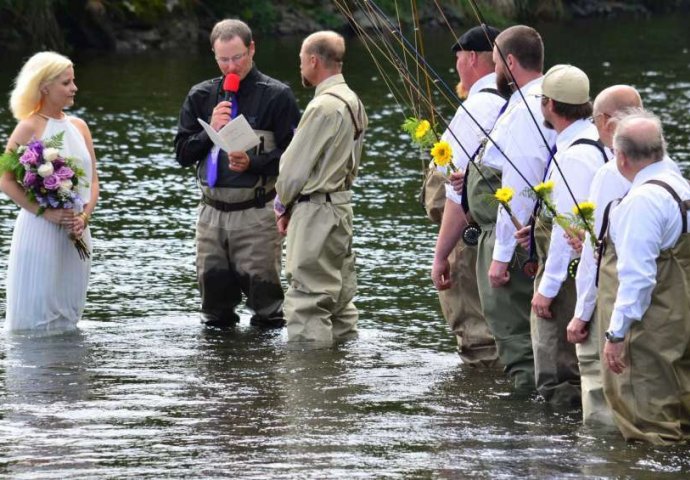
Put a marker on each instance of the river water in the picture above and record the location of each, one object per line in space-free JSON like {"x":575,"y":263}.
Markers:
{"x":142,"y":391}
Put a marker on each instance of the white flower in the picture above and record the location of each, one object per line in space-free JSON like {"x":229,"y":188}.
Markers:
{"x":50,"y":154}
{"x":66,"y":185}
{"x":46,"y":170}
{"x":21,"y":149}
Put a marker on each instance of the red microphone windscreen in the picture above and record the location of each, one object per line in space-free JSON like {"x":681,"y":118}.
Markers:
{"x":231,"y":83}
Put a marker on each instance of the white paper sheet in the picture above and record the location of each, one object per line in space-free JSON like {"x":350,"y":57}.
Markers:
{"x":236,"y":136}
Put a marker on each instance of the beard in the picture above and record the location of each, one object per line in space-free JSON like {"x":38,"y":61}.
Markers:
{"x":503,"y":84}
{"x":306,"y":83}
{"x":549,"y":125}
{"x":461,"y":91}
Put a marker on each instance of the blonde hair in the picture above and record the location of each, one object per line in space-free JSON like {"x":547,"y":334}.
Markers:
{"x":38,"y":71}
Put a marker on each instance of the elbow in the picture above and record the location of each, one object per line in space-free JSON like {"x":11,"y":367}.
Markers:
{"x":5,"y":183}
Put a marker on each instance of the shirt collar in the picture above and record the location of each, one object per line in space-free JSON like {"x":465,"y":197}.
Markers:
{"x":650,"y":171}
{"x":530,"y":88}
{"x":487,"y":81}
{"x":577,"y":129}
{"x":248,"y":83}
{"x":328,"y":83}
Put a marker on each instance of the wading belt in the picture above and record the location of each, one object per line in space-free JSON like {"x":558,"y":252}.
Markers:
{"x":259,"y":201}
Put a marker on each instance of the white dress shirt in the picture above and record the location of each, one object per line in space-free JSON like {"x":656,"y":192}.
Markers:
{"x":645,"y":223}
{"x":608,"y":185}
{"x":578,"y":164}
{"x":518,"y":136}
{"x":484,"y":107}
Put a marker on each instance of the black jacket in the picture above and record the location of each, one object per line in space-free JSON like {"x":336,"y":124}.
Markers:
{"x":266,"y":103}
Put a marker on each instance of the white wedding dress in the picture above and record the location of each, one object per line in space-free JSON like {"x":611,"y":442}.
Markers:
{"x":46,"y":279}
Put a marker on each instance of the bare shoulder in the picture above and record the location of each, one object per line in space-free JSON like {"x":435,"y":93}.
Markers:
{"x":25,"y":130}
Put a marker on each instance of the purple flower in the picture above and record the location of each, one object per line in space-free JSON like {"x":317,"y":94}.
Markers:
{"x":51,"y":182}
{"x":63,"y":173}
{"x":54,"y":202}
{"x":58,"y":163}
{"x":30,"y":157}
{"x":30,"y":179}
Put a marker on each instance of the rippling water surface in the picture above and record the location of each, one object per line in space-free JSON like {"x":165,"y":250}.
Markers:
{"x":143,"y":391}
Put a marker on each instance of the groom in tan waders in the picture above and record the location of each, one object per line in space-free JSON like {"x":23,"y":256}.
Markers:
{"x":316,"y":174}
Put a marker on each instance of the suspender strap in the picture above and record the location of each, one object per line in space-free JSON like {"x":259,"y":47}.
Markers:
{"x":595,"y":143}
{"x":682,"y":205}
{"x":358,"y":130}
{"x":494,"y":91}
{"x":601,"y":244}
{"x":464,"y":202}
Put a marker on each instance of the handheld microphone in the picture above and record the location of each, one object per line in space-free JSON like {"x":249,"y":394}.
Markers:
{"x":231,"y":84}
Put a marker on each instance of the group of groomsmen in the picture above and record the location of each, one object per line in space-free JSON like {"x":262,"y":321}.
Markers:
{"x":604,"y":324}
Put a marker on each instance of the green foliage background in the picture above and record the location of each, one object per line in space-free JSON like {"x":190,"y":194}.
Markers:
{"x":63,"y":24}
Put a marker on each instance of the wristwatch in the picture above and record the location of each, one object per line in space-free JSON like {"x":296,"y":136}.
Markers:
{"x":612,"y":338}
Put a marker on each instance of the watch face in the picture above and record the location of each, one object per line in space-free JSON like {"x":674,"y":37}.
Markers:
{"x":613,"y":339}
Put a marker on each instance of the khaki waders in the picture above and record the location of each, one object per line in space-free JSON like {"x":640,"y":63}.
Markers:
{"x":555,"y":361}
{"x":238,"y":252}
{"x":320,"y":270}
{"x":650,"y":400}
{"x":460,"y":303}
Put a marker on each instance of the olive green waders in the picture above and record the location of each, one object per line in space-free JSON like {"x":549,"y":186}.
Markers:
{"x":506,"y":308}
{"x":650,"y":399}
{"x":320,"y":270}
{"x":555,"y":361}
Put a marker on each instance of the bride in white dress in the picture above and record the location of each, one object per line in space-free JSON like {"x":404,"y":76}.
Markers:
{"x":46,"y":278}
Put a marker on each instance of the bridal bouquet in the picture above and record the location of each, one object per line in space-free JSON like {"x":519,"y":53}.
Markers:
{"x":48,"y":178}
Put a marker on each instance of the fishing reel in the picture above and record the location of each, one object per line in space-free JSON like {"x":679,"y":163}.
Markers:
{"x":470,"y":235}
{"x":572,"y":267}
{"x":530,"y":267}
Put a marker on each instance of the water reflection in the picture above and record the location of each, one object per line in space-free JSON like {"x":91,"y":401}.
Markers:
{"x":44,"y":377}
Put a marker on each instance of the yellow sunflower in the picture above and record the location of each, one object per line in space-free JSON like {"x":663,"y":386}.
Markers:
{"x":504,"y":195}
{"x":584,"y":208}
{"x":544,"y":188}
{"x":422,"y":129}
{"x":442,"y":153}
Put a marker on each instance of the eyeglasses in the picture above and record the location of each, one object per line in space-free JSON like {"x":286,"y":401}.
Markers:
{"x":235,"y":59}
{"x":606,"y":116}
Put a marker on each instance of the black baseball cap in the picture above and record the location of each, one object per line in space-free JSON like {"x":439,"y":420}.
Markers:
{"x":475,"y":40}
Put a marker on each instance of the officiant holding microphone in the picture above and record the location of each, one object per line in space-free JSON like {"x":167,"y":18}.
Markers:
{"x":237,"y":245}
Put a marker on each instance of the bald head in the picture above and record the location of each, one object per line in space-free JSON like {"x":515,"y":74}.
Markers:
{"x":640,"y":138}
{"x":328,"y":46}
{"x":613,"y":100}
{"x":610,"y":104}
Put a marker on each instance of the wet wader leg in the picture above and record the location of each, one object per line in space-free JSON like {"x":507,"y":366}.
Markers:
{"x":506,"y":310}
{"x":345,"y":314}
{"x":220,"y":292}
{"x":316,"y":248}
{"x":594,"y":408}
{"x":255,"y":253}
{"x":556,"y":370}
{"x":463,"y":312}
